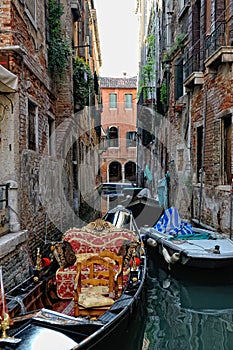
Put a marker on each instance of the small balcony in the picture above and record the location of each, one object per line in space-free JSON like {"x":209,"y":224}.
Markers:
{"x":147,"y":98}
{"x":146,"y":107}
{"x":218,"y":46}
{"x":192,"y":72}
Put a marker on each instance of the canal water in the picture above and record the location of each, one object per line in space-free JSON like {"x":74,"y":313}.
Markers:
{"x":186,"y":315}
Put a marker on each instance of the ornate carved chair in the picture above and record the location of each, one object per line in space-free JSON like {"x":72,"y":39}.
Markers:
{"x":118,"y":272}
{"x":95,"y":286}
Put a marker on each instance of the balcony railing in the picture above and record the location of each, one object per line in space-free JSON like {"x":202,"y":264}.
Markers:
{"x":220,"y":37}
{"x":215,"y":40}
{"x":192,"y":65}
{"x":147,"y":97}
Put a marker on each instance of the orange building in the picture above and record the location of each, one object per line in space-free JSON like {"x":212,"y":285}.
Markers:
{"x":118,"y":121}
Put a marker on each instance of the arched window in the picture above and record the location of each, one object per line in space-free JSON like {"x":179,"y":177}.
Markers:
{"x":113,"y":137}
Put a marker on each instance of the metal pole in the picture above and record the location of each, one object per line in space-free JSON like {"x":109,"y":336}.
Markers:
{"x":231,"y":208}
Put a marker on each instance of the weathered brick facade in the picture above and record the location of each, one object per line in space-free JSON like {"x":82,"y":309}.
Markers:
{"x":194,"y":124}
{"x":41,"y":132}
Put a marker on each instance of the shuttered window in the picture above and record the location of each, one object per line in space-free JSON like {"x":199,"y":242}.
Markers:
{"x":128,"y":101}
{"x":112,"y":100}
{"x":32,"y":126}
{"x":227,"y":150}
{"x":131,"y":139}
{"x":179,"y":78}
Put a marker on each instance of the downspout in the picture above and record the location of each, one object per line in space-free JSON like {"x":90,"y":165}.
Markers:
{"x":231,"y":209}
{"x":202,"y":154}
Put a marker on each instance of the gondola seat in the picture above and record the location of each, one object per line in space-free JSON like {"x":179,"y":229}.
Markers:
{"x":86,"y":242}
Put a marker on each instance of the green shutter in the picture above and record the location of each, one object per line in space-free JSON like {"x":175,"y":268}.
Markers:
{"x":179,"y":78}
{"x":113,"y":100}
{"x":128,"y":100}
{"x":127,"y":139}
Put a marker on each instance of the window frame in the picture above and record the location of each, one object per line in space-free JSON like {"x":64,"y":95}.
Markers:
{"x":226,"y":141}
{"x":51,"y":136}
{"x":131,"y":139}
{"x":113,"y":142}
{"x":128,"y":104}
{"x":112,"y":103}
{"x":179,"y":81}
{"x":32,"y":127}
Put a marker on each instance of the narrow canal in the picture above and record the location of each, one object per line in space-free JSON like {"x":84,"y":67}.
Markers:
{"x":183,"y":315}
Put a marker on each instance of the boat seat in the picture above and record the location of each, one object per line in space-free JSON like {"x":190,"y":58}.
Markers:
{"x":88,"y":241}
{"x":118,"y":269}
{"x":95,"y":289}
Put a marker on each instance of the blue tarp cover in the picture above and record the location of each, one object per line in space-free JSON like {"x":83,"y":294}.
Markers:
{"x":171,"y":224}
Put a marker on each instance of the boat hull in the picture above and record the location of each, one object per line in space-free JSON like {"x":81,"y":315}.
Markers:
{"x":119,"y":328}
{"x":196,"y":258}
{"x":212,"y":276}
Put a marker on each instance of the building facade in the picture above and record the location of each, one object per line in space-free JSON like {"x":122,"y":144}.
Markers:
{"x":50,"y":125}
{"x":118,"y":121}
{"x":190,"y":141}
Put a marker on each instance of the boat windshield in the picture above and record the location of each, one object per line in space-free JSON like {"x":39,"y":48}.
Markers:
{"x":121,"y":218}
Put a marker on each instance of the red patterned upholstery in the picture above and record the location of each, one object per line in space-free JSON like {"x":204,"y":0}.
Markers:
{"x":87,"y":240}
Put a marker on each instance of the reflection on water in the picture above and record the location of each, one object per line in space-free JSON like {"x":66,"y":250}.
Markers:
{"x":187,"y":316}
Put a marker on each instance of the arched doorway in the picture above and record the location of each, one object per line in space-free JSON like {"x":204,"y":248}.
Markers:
{"x":130,"y":171}
{"x":115,"y":173}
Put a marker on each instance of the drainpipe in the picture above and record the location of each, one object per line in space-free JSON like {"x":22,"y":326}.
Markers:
{"x":203,"y":154}
{"x":231,"y":208}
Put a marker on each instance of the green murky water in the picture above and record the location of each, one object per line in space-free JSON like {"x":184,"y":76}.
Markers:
{"x":183,"y":315}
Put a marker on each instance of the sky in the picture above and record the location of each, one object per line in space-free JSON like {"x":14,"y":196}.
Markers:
{"x":118,"y":33}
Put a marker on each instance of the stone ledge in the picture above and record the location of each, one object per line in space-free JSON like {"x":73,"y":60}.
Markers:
{"x":195,"y":78}
{"x":225,"y":188}
{"x":10,"y":241}
{"x":223,"y":54}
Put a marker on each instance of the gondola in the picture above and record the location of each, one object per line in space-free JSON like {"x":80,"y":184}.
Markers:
{"x":188,"y":251}
{"x":146,"y":210}
{"x":40,"y":315}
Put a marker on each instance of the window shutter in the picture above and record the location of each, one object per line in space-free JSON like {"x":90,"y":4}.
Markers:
{"x":113,"y":100}
{"x":179,"y":78}
{"x":127,"y":139}
{"x":128,"y":100}
{"x":108,"y":137}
